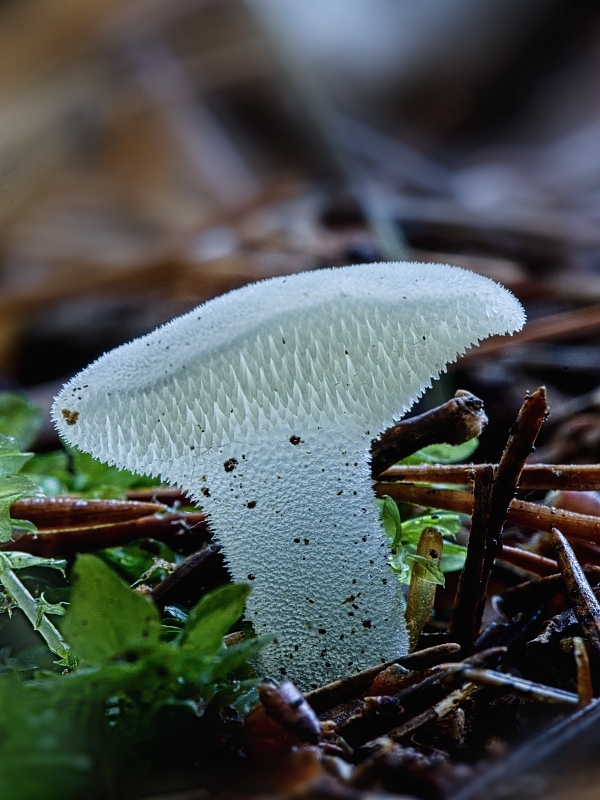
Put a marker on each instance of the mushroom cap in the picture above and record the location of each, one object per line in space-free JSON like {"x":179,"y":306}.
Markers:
{"x":349,"y":348}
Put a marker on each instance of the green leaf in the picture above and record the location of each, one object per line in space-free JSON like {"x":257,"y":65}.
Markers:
{"x":50,"y":471}
{"x":232,"y":658}
{"x":453,"y":557}
{"x":132,"y":561}
{"x":106,"y":618}
{"x":13,"y":488}
{"x":212,"y":618}
{"x":44,"y":607}
{"x":96,"y":479}
{"x":443,"y":453}
{"x":390,"y":519}
{"x":447,"y":523}
{"x":11,"y":457}
{"x":430,"y":572}
{"x":19,"y":418}
{"x":20,"y":560}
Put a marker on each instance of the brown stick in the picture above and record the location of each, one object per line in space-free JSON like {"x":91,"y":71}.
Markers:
{"x":492,"y":493}
{"x":527,"y":515}
{"x":530,"y":562}
{"x":466,"y":619}
{"x":174,"y":529}
{"x":71,"y":512}
{"x":204,"y":569}
{"x":585,"y":690}
{"x":573,"y":477}
{"x":454,"y":422}
{"x":333,"y":694}
{"x":520,"y":443}
{"x":583,"y":599}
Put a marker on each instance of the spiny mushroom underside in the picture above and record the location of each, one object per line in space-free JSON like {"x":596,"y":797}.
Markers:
{"x":262,"y":404}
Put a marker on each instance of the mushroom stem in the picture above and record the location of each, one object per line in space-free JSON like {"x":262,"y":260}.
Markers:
{"x":289,"y":552}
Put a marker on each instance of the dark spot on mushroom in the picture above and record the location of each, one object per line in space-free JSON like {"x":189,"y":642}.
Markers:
{"x":230,"y":464}
{"x":283,"y":670}
{"x":350,"y":599}
{"x":341,"y":491}
{"x":296,"y":440}
{"x":252,"y":504}
{"x":307,"y":541}
{"x":366,"y":623}
{"x":322,"y":630}
{"x":205,"y":491}
{"x":297,"y":541}
{"x":251,"y":576}
{"x":71,"y":417}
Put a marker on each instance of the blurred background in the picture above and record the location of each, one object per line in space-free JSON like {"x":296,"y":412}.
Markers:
{"x":155,"y":153}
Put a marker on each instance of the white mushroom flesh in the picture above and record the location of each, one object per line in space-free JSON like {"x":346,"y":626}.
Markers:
{"x":262,"y":405}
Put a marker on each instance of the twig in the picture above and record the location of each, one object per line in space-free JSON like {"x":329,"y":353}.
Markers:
{"x":585,"y":689}
{"x":572,"y":477}
{"x":77,"y":512}
{"x":520,"y":443}
{"x":466,"y":614}
{"x":530,"y":562}
{"x":492,"y":493}
{"x":454,"y":422}
{"x":527,"y":515}
{"x":585,"y":605}
{"x":326,"y":697}
{"x":175,"y":529}
{"x":489,"y":677}
{"x":438,"y":711}
{"x":206,"y":568}
{"x":409,"y":701}
{"x":168,"y":495}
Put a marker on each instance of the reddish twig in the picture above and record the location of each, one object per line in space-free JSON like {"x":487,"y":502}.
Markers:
{"x":574,"y":477}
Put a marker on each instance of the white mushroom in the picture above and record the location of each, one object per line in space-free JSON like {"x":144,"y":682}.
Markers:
{"x":262,"y":405}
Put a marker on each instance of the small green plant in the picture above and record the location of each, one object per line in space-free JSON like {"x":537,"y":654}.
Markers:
{"x":61,"y":735}
{"x":403,"y":537}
